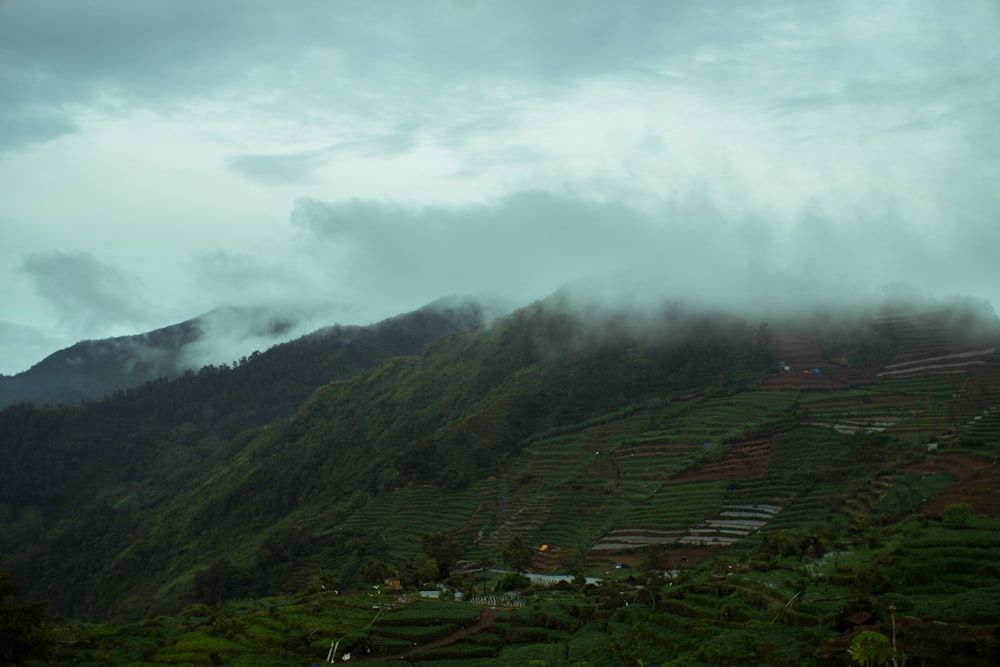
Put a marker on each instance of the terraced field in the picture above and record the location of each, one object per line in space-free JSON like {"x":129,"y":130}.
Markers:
{"x":707,"y":472}
{"x":401,"y":518}
{"x":972,"y":480}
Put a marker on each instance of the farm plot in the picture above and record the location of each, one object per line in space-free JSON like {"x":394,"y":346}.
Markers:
{"x":560,"y":490}
{"x":852,"y":425}
{"x":421,"y":626}
{"x":982,"y":431}
{"x":921,"y":334}
{"x":770,"y":490}
{"x":855,"y":410}
{"x":957,"y":362}
{"x":739,"y":460}
{"x":703,"y":419}
{"x":805,"y":452}
{"x":974,"y":481}
{"x":731,"y":524}
{"x":951,"y":574}
{"x":797,"y":352}
{"x":402,"y":517}
{"x":802,"y":366}
{"x":665,"y":517}
{"x":643,"y":467}
{"x":572,"y":489}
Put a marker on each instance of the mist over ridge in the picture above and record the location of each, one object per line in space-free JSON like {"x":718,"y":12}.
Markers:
{"x":356,"y":162}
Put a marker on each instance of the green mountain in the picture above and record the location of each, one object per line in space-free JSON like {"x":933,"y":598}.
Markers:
{"x":58,"y":459}
{"x":604,"y":435}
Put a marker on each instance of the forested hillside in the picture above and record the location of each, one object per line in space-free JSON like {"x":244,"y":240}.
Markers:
{"x":92,"y":369}
{"x":57,"y":458}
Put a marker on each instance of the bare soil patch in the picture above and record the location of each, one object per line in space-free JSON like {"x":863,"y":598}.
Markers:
{"x":803,"y":356}
{"x":977,"y":482}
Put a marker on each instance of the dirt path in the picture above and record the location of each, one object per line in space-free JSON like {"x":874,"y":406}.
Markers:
{"x":486,"y":619}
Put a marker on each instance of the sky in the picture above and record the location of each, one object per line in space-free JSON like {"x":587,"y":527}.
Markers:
{"x":356,"y":159}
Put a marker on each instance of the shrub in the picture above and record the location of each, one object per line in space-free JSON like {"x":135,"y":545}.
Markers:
{"x":957,"y":515}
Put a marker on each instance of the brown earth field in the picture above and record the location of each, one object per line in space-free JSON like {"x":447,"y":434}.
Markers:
{"x":976,"y":482}
{"x":746,"y":459}
{"x":803,"y":355}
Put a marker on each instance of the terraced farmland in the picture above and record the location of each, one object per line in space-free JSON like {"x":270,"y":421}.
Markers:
{"x":682,"y":473}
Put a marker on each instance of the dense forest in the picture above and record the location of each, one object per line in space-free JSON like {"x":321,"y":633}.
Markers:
{"x":55,"y":458}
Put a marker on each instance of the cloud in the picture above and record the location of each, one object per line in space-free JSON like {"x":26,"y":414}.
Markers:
{"x":517,"y":246}
{"x":241,"y":279}
{"x":87,"y":295}
{"x":21,"y":127}
{"x":23,"y":346}
{"x":427,"y":63}
{"x":528,"y":244}
{"x":457,"y":146}
{"x":298,"y":167}
{"x":278,"y":169}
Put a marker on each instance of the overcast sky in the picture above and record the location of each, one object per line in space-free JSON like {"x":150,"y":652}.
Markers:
{"x":160,"y":158}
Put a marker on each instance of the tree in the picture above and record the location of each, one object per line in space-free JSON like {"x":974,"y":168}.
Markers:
{"x":23,"y":630}
{"x":574,"y":562}
{"x":654,"y":563}
{"x":378,"y":571}
{"x":443,"y":549}
{"x":425,"y":568}
{"x":216,"y":582}
{"x":517,"y":554}
{"x":870,"y":649}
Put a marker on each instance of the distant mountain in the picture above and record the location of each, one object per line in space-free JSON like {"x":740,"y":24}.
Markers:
{"x":92,"y":369}
{"x":593,"y":431}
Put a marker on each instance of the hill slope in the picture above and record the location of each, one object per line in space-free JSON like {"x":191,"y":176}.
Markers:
{"x":52,"y":459}
{"x":591,"y":435}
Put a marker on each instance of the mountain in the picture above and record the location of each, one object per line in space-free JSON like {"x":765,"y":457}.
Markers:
{"x":56,"y":458}
{"x":92,"y":369}
{"x":597,"y":432}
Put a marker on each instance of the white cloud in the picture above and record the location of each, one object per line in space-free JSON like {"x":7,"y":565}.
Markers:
{"x":451,"y":146}
{"x":86,"y":294}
